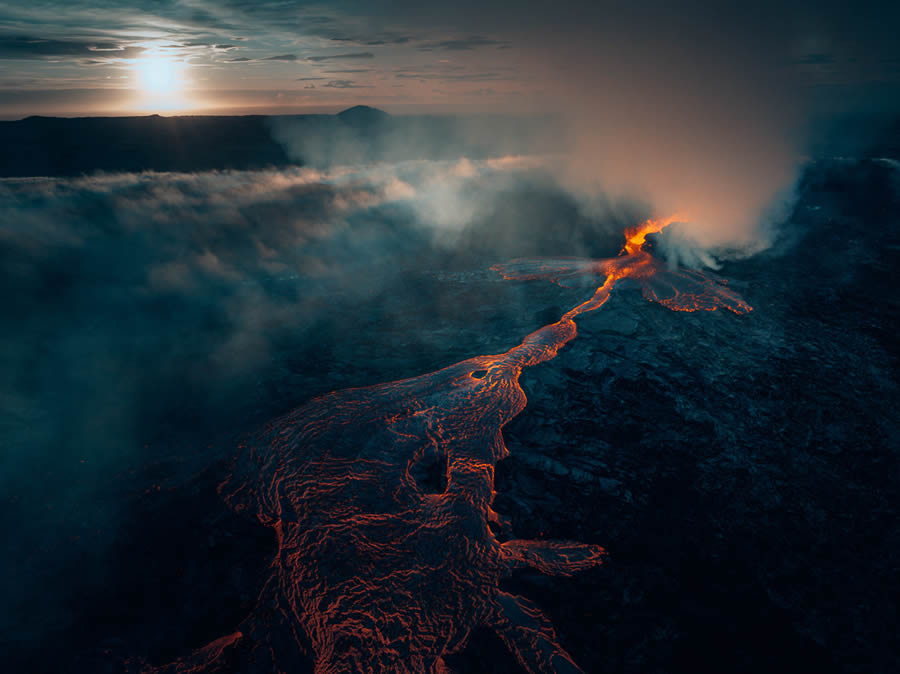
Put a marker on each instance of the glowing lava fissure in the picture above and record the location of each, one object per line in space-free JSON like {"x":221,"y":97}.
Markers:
{"x":375,"y":572}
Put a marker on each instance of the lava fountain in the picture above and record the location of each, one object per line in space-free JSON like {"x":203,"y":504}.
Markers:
{"x":379,"y":569}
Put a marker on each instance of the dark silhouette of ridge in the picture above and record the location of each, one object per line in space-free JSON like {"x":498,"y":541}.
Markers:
{"x":56,"y":146}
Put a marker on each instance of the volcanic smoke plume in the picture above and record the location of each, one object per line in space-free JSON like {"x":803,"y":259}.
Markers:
{"x":380,"y":568}
{"x":670,"y":104}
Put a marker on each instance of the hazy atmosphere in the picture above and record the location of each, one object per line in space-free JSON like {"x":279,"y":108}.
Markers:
{"x":469,"y":337}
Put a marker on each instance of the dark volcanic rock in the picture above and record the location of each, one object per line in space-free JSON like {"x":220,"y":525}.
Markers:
{"x":742,"y":471}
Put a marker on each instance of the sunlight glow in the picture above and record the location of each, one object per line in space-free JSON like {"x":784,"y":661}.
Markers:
{"x":160,"y":81}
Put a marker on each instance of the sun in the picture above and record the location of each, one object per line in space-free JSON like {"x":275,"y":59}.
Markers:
{"x":159,"y":75}
{"x":160,"y":82}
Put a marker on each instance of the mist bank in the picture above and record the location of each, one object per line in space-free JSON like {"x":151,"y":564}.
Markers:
{"x":147,"y":305}
{"x":152,"y":319}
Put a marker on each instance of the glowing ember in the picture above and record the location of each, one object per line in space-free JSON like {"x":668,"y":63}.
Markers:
{"x":377,"y":570}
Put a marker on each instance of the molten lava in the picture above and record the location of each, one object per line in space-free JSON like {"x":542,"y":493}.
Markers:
{"x":676,"y":289}
{"x":636,"y":236}
{"x":376,"y":569}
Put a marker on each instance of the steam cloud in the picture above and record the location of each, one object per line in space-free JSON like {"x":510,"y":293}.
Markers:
{"x":696,"y":114}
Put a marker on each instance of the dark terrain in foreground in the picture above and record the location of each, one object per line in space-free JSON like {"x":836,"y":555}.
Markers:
{"x":742,"y":472}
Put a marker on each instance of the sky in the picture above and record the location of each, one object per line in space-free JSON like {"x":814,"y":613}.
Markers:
{"x":77,"y":57}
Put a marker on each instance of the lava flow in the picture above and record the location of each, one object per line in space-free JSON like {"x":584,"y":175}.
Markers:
{"x":381,"y":569}
{"x":677,"y":289}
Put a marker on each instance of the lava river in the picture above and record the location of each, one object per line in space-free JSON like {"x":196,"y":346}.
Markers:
{"x":381,"y":569}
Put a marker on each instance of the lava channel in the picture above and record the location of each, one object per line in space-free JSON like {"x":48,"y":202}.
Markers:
{"x":377,"y":569}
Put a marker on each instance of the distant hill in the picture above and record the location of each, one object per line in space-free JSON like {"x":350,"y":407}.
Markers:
{"x":54,"y":146}
{"x":363,"y":115}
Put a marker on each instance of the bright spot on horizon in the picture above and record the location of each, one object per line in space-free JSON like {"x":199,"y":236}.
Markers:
{"x":160,"y":80}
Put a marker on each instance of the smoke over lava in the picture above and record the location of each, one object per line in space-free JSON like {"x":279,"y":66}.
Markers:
{"x":379,"y":570}
{"x":684,"y":111}
{"x":708,"y":105}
